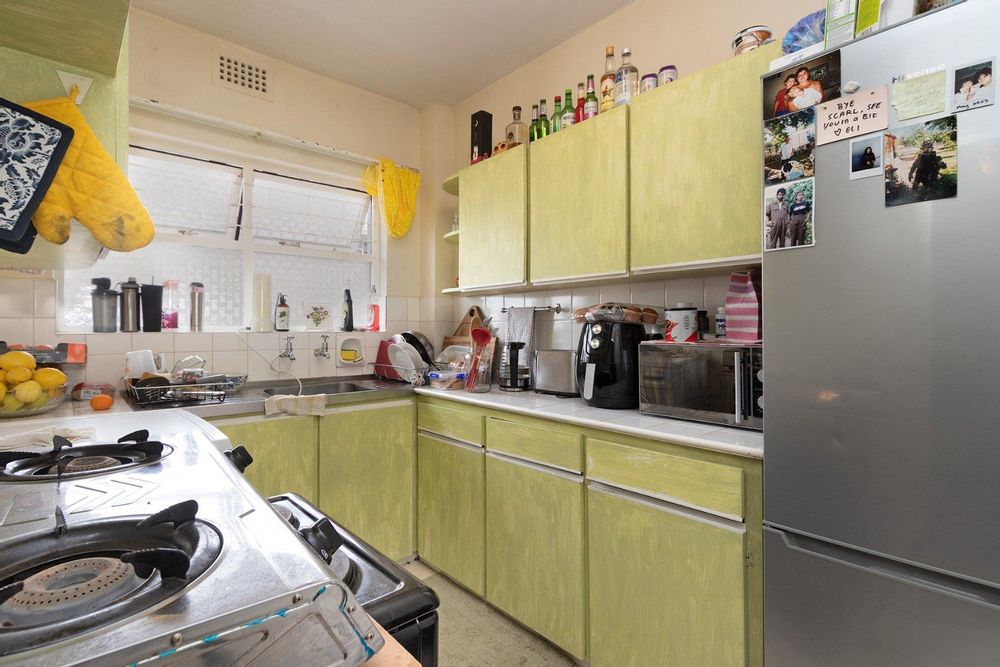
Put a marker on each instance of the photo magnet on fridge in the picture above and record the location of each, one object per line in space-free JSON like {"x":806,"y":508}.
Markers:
{"x":866,"y":156}
{"x":802,"y":85}
{"x":788,"y":215}
{"x":921,"y":162}
{"x":788,"y":147}
{"x":973,"y":86}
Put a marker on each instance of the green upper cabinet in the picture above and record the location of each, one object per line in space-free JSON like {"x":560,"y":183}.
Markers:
{"x":492,"y":210}
{"x":367,"y":473}
{"x":578,"y":196}
{"x":667,"y":585}
{"x":535,"y":555}
{"x":283,"y":451}
{"x":450,"y":509}
{"x":695,"y":148}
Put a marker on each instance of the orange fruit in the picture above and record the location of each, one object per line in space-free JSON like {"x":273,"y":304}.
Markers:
{"x":101,"y":402}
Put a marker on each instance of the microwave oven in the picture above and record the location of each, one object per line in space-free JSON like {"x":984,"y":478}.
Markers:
{"x":717,"y":382}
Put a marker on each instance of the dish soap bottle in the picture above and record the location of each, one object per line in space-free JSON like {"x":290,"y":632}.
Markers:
{"x":348,"y":311}
{"x":281,"y":314}
{"x":373,"y":311}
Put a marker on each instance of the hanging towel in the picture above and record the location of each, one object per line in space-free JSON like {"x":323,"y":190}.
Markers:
{"x":42,"y":438}
{"x":311,"y":404}
{"x":90,"y":188}
{"x":521,"y":328}
{"x":395,"y":188}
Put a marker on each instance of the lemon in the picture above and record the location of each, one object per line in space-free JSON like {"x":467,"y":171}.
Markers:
{"x":18,"y":375}
{"x":49,"y":378}
{"x":40,"y":401}
{"x":28,"y":392}
{"x":17,"y":359}
{"x":10,"y":403}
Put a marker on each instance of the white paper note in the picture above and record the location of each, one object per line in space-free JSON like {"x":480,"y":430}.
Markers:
{"x":864,"y":112}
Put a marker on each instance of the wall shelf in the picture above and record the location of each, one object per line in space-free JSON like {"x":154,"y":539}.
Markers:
{"x":450,"y":184}
{"x":451,"y":237}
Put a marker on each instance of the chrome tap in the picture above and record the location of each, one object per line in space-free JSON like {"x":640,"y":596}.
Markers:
{"x":324,"y":349}
{"x":287,"y":353}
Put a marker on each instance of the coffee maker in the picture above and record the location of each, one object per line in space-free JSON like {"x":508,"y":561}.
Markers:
{"x":607,"y":370}
{"x":513,"y":376}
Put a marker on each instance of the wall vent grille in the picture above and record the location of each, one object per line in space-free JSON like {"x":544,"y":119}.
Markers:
{"x":246,"y":77}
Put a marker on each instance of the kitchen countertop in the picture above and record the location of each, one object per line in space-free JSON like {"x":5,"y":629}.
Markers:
{"x":392,"y":654}
{"x":737,"y":441}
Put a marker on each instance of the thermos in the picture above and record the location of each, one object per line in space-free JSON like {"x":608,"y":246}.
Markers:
{"x":130,"y":305}
{"x":197,"y":306}
{"x":348,"y":311}
{"x":104,"y":302}
{"x":151,"y":300}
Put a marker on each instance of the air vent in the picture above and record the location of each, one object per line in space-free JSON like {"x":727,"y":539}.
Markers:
{"x":238,"y":74}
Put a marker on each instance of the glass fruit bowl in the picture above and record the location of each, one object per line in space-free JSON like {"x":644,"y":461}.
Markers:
{"x":48,"y":400}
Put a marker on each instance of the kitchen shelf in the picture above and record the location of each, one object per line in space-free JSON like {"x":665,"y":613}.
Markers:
{"x":451,"y":237}
{"x":450,"y":184}
{"x":451,"y":290}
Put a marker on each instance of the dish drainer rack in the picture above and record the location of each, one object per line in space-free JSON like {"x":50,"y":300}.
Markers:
{"x":166,"y":395}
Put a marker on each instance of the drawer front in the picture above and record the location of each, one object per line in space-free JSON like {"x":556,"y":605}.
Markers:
{"x":703,"y":485}
{"x":457,"y":424}
{"x":562,"y":449}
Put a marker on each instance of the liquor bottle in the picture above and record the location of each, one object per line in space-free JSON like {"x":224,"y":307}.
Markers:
{"x":517,"y":132}
{"x":556,"y":123}
{"x":590,"y":105}
{"x":568,"y":114}
{"x":533,"y":130}
{"x":608,"y":80}
{"x":543,"y":121}
{"x":626,"y":80}
{"x":578,"y":110}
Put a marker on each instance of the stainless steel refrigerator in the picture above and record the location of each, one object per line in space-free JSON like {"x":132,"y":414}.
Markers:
{"x":882,"y":396}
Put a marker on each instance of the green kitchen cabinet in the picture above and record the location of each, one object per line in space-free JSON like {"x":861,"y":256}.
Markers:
{"x":668,"y":585}
{"x":367,"y":469}
{"x":450,"y":509}
{"x":283,"y":450}
{"x":535,"y":554}
{"x":578,"y":198}
{"x":493,"y":208}
{"x":696,"y":168}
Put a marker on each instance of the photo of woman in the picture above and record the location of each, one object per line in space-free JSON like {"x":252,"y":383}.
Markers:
{"x":866,"y":156}
{"x":803,"y":86}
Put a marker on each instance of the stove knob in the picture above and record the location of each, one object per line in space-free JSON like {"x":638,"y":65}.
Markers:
{"x":595,"y":343}
{"x":597,"y":329}
{"x":239,"y":457}
{"x":323,"y":537}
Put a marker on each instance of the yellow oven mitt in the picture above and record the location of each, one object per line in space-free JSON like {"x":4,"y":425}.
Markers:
{"x":90,"y":187}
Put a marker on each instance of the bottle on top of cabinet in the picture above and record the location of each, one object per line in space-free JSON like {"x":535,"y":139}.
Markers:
{"x":626,"y":79}
{"x":578,"y":108}
{"x":608,"y":80}
{"x":568,"y":112}
{"x":591,"y":104}
{"x":542,"y":129}
{"x":556,"y":123}
{"x":533,"y":128}
{"x":517,"y":131}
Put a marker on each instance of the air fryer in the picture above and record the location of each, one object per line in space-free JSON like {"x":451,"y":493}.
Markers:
{"x":607,"y":372}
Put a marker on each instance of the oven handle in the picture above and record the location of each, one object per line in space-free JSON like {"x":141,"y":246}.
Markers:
{"x":738,"y":385}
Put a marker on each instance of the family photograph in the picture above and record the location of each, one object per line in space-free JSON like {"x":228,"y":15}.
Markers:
{"x":802,"y":86}
{"x":788,"y":147}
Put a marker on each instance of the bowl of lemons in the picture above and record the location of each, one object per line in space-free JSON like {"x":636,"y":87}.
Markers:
{"x":27,"y":390}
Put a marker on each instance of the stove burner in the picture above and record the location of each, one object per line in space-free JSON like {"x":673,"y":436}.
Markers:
{"x":86,"y":463}
{"x":73,"y":587}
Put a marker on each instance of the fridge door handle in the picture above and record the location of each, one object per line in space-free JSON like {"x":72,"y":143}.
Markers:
{"x":936,"y":582}
{"x":738,"y":385}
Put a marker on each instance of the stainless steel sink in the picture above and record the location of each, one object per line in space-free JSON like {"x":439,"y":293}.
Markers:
{"x":310,"y":389}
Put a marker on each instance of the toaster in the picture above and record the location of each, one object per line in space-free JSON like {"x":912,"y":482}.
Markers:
{"x":555,"y":372}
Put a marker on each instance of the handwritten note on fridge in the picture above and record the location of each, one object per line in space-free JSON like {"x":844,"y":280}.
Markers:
{"x":920,"y":93}
{"x":864,"y":112}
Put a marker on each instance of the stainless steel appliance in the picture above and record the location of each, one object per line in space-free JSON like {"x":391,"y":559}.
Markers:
{"x":882,"y":542}
{"x":512,"y":375}
{"x":607,"y":371}
{"x":150,"y":547}
{"x":555,"y":372}
{"x":713,"y":381}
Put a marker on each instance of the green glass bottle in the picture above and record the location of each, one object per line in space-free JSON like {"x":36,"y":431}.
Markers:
{"x":556,"y":123}
{"x":568,"y":112}
{"x":533,"y":128}
{"x":543,"y":121}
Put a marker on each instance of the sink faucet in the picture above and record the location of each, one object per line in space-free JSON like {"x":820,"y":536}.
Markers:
{"x":287,"y":353}
{"x":324,"y":349}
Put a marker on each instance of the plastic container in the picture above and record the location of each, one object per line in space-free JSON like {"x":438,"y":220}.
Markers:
{"x":170,"y":314}
{"x":447,"y":379}
{"x":647,"y":83}
{"x":667,"y":74}
{"x":720,"y":322}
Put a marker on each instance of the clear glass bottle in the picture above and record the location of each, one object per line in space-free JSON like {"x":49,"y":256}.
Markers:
{"x":517,"y":132}
{"x":591,"y":104}
{"x":568,"y":113}
{"x":608,"y":80}
{"x":556,"y":123}
{"x":533,"y":130}
{"x":169,"y":317}
{"x":543,"y":121}
{"x":626,"y":80}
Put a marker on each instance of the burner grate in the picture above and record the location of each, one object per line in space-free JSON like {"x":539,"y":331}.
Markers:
{"x":87,"y":464}
{"x":74,"y":585}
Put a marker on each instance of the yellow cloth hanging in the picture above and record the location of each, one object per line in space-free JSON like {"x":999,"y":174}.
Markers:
{"x":89,"y":187}
{"x":395,"y":188}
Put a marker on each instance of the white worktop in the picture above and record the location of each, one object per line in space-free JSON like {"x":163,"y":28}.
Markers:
{"x":576,"y":411}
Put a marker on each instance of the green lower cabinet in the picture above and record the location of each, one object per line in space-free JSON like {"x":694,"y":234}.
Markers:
{"x":535,"y":553}
{"x":283,"y":451}
{"x":450,"y":509}
{"x":367,"y":466}
{"x":667,"y":586}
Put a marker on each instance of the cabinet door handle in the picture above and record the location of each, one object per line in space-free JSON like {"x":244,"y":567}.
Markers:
{"x":738,"y":385}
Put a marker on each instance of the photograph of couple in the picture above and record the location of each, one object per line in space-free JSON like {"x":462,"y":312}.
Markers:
{"x":788,"y":215}
{"x":802,"y":86}
{"x":973,"y":86}
{"x":788,"y":147}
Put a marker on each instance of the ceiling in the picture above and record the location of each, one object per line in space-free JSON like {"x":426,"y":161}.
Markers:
{"x":415,"y":51}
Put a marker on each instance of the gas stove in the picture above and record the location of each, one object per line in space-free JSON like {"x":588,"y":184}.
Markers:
{"x":152,"y":548}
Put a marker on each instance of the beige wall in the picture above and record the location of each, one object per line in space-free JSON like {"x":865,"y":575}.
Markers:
{"x":690,"y":35}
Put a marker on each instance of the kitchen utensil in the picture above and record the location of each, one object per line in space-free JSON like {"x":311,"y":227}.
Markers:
{"x":104,"y":302}
{"x":129,"y":309}
{"x":138,"y":362}
{"x":484,"y":369}
{"x":555,"y":372}
{"x":188,"y":362}
{"x":422,"y":344}
{"x":151,"y":301}
{"x":197,"y":311}
{"x":403,"y":363}
{"x":463,"y":333}
{"x":607,"y":371}
{"x":481,"y":338}
{"x":513,"y":376}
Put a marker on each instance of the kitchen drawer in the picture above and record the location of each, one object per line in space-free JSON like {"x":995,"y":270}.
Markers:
{"x":458,"y":424}
{"x":689,"y":481}
{"x":558,"y":448}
